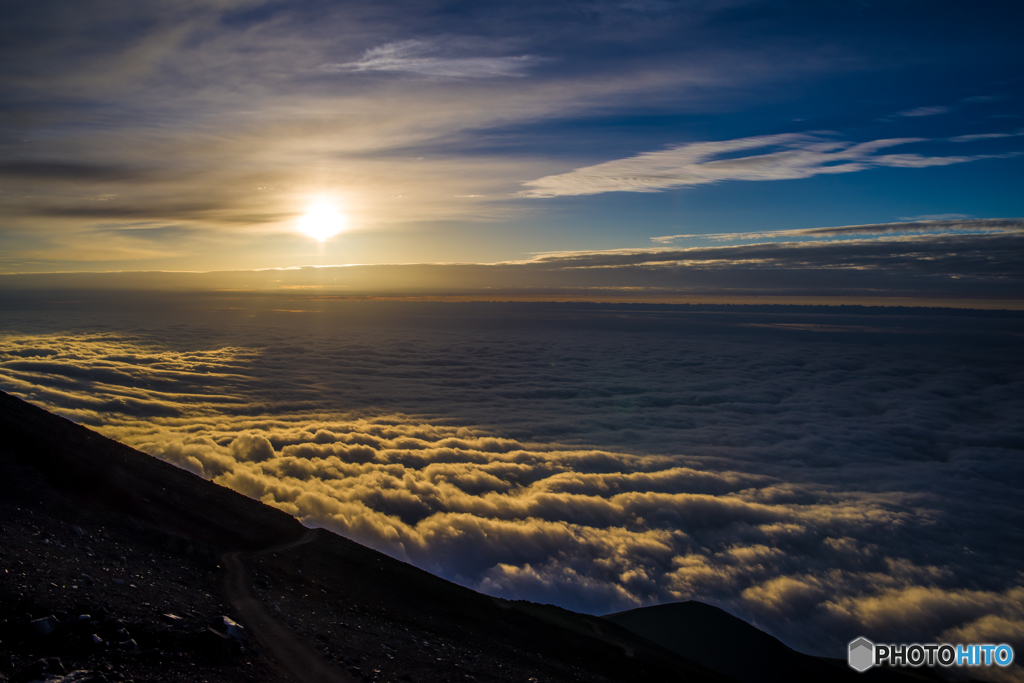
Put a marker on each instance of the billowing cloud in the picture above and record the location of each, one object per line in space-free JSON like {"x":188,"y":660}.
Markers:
{"x":786,"y":156}
{"x":822,"y":476}
{"x":433,"y":58}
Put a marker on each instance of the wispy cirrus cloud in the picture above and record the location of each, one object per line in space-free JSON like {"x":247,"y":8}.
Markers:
{"x":786,"y":156}
{"x":939,"y":109}
{"x":937,"y":217}
{"x":925,"y":111}
{"x":987,"y":136}
{"x":947,"y":223}
{"x":436,"y":59}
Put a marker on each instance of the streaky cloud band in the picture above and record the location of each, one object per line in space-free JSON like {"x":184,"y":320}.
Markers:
{"x":786,"y":156}
{"x":421,"y":57}
{"x":958,"y":225}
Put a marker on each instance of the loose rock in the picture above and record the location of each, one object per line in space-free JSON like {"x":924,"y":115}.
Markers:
{"x":41,"y":669}
{"x":230,"y":627}
{"x":44,"y":626}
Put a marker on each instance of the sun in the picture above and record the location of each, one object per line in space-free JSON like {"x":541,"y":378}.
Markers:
{"x":322,"y":220}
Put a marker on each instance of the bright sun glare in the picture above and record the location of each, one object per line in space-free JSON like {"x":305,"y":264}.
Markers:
{"x":321,"y":221}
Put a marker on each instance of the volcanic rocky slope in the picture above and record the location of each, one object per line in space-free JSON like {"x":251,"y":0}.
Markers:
{"x":117,"y":566}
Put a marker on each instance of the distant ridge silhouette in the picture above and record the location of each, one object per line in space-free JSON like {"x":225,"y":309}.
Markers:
{"x":716,"y":639}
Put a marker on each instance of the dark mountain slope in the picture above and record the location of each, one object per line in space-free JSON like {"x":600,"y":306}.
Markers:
{"x":713,"y":637}
{"x":137,"y":562}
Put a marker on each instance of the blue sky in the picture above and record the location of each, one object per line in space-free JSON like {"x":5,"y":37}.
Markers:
{"x":195,"y":136}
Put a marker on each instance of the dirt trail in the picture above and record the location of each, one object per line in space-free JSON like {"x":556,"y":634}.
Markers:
{"x":295,"y":660}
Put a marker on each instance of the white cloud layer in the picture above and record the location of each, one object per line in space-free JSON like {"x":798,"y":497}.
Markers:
{"x":822,"y":477}
{"x":787,"y":156}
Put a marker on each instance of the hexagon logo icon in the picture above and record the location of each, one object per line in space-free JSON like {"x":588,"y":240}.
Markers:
{"x":862,"y":654}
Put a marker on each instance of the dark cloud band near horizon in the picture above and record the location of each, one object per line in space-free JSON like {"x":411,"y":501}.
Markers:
{"x":977,"y":262}
{"x":822,"y":475}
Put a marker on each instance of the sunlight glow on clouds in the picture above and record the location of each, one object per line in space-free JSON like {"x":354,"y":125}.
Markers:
{"x":818,"y":487}
{"x":962,"y":263}
{"x":207,"y":123}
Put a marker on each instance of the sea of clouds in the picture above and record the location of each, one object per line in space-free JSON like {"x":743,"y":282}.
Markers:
{"x":821,"y":475}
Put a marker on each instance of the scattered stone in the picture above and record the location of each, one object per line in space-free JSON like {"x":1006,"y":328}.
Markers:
{"x":172,"y":618}
{"x":77,"y":621}
{"x":83,"y":676}
{"x":44,"y":626}
{"x":229,"y":627}
{"x":39,"y":670}
{"x":155,"y":656}
{"x":211,"y":642}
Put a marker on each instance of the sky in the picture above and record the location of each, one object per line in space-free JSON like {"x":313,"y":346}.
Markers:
{"x":188,"y":136}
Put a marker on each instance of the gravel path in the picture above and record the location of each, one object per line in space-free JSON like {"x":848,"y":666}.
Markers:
{"x":296,"y":660}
